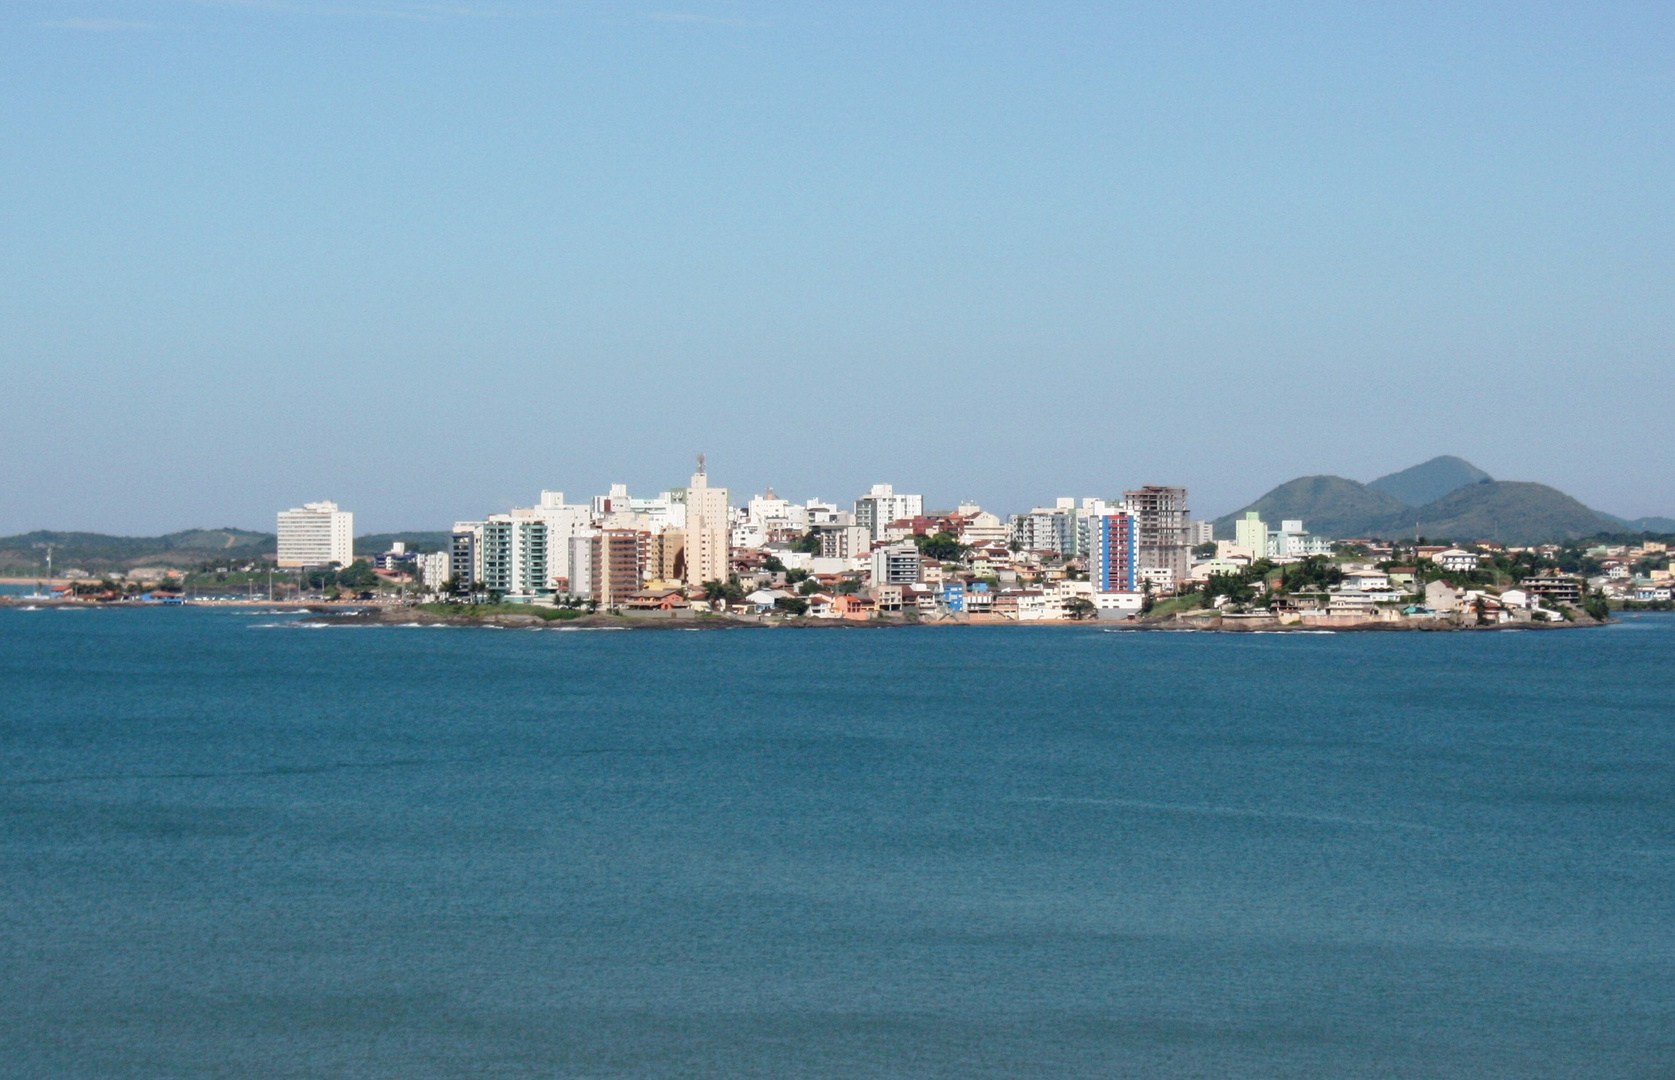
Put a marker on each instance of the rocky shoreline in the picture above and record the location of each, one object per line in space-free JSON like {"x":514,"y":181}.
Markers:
{"x":1186,"y":622}
{"x":1232,"y":624}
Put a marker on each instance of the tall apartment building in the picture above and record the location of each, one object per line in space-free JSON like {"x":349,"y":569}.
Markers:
{"x":708,"y":535}
{"x":563,"y":521}
{"x":464,"y":552}
{"x":1251,"y":533}
{"x":513,"y":557}
{"x":1114,"y":552}
{"x":316,"y":534}
{"x":1048,"y":529}
{"x":843,"y":541}
{"x":875,"y":510}
{"x":1163,"y":535}
{"x":897,"y":564}
{"x":666,"y":555}
{"x":1091,"y":509}
{"x":1202,"y":532}
{"x":432,"y":568}
{"x":607,"y":566}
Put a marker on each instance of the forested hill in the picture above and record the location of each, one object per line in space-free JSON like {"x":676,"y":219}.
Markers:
{"x":1510,"y":512}
{"x":26,"y":553}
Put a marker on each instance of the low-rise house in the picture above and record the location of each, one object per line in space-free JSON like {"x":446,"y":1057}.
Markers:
{"x":1485,"y":606}
{"x":1558,"y":588}
{"x":887,"y":598}
{"x":1366,"y":581}
{"x":1161,"y":579}
{"x":658,"y":600}
{"x":763,"y":599}
{"x":1350,"y":603}
{"x":922,"y":598}
{"x":1203,"y":571}
{"x":1456,"y":560}
{"x":850,"y":606}
{"x":1442,"y":597}
{"x":1118,"y":605}
{"x":1027,"y":605}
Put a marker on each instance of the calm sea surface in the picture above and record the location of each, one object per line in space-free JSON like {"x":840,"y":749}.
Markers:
{"x":231,"y":847}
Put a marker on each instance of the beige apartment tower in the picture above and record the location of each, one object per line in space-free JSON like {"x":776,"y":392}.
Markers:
{"x":707,"y":531}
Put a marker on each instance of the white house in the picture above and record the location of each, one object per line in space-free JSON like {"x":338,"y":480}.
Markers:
{"x":1456,"y":560}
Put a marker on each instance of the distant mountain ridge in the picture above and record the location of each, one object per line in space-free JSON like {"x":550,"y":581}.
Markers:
{"x":1429,"y":482}
{"x":1460,"y":502}
{"x":24,"y":555}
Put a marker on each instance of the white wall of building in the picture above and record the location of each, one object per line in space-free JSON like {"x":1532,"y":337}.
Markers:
{"x":316,"y":534}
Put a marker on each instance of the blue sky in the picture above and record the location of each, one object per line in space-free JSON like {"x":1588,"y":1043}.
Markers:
{"x":428,"y":259}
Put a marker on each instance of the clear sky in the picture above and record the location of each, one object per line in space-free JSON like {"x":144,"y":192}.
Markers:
{"x":427,"y":259}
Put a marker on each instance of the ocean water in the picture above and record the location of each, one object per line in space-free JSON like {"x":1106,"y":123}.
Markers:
{"x":232,"y":847}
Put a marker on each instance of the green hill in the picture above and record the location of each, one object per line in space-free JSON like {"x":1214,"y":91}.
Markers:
{"x":1328,"y":505}
{"x":1429,"y":482}
{"x":378,"y":543}
{"x":1506,"y":511}
{"x":25,"y":554}
{"x":1510,"y":512}
{"x":1642,"y":525}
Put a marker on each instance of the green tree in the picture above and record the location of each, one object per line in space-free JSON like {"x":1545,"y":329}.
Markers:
{"x":1235,"y":587}
{"x":1314,"y":574}
{"x":794,"y":605}
{"x":1597,"y":606}
{"x":943,"y":547}
{"x":808,"y":543}
{"x":357,"y":575}
{"x":723,"y":590}
{"x":1080,"y":607}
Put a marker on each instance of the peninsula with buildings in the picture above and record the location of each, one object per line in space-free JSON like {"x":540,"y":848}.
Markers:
{"x":694,"y":556}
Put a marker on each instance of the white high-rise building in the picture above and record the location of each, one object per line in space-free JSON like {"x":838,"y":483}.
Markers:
{"x":875,"y":510}
{"x":708,"y":554}
{"x":563,"y":521}
{"x":1048,"y":529}
{"x":316,"y":534}
{"x":433,"y":569}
